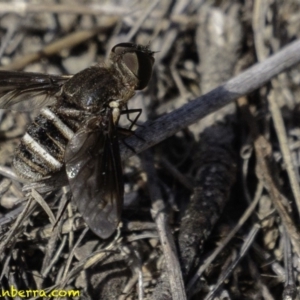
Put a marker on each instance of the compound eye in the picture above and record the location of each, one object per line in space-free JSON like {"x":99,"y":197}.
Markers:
{"x":139,"y":61}
{"x":122,"y":48}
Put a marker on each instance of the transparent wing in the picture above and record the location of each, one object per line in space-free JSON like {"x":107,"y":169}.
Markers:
{"x":94,"y":171}
{"x":28,"y":91}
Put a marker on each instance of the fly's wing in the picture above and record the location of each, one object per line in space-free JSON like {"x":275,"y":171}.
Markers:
{"x":24,"y":91}
{"x":94,"y":171}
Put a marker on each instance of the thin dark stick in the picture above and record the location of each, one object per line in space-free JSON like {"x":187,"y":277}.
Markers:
{"x":244,"y":83}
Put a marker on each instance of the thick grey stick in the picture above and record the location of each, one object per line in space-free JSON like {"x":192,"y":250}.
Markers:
{"x":244,"y":83}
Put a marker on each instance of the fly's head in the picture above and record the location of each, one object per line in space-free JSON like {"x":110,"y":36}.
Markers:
{"x":133,"y":63}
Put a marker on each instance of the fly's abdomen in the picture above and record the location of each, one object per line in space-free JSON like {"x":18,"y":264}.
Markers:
{"x":42,"y":148}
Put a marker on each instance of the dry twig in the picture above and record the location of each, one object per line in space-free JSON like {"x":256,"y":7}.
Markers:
{"x":243,"y":84}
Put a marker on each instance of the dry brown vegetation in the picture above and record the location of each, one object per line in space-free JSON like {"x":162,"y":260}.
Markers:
{"x":212,"y":201}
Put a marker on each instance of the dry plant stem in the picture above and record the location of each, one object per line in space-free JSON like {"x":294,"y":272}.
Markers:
{"x":260,"y":12}
{"x":130,"y":285}
{"x":96,"y":256}
{"x":51,"y":247}
{"x":55,"y":258}
{"x":246,"y":153}
{"x":6,"y":264}
{"x":4,"y":185}
{"x":8,"y":37}
{"x":244,"y":83}
{"x":72,"y":253}
{"x":176,"y":174}
{"x":67,"y":226}
{"x":11,"y":215}
{"x":13,"y":233}
{"x":221,"y":247}
{"x":255,"y":274}
{"x":50,"y":251}
{"x":284,"y":147}
{"x":262,"y":151}
{"x":135,"y":264}
{"x":9,"y":173}
{"x":246,"y":245}
{"x":87,"y":262}
{"x":275,"y":266}
{"x":266,"y":294}
{"x":63,"y":205}
{"x":23,"y":8}
{"x":141,"y":20}
{"x":169,"y":32}
{"x":71,"y":233}
{"x":69,"y":41}
{"x":166,"y":238}
{"x":145,"y":235}
{"x":140,"y":226}
{"x":40,"y":200}
{"x":264,"y":174}
{"x":290,"y":289}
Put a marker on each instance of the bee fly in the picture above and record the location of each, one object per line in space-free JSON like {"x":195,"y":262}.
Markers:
{"x":77,"y":128}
